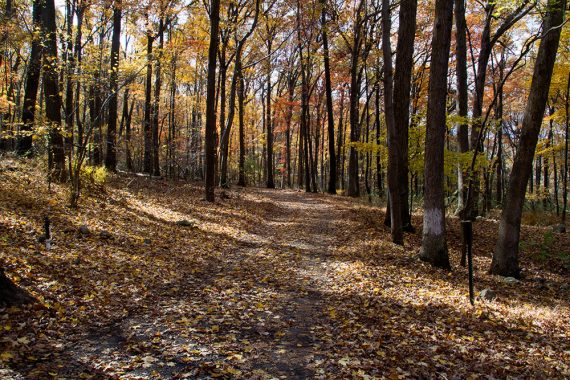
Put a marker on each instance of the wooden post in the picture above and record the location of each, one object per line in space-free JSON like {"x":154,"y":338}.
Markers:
{"x":47,"y":232}
{"x":467,"y":238}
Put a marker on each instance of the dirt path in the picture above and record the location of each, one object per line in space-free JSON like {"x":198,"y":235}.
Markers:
{"x":287,"y":255}
{"x":304,"y":228}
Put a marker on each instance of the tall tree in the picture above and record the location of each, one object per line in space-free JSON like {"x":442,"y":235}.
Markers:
{"x":52,"y":93}
{"x":237,"y":76}
{"x":488,"y":41}
{"x":394,"y":147}
{"x":462,"y":92}
{"x":434,"y":244}
{"x":565,"y":175}
{"x":24,"y":146}
{"x":402,"y":87}
{"x":505,"y":257}
{"x":355,"y":82}
{"x":210,"y":143}
{"x":111,"y":157}
{"x":331,"y":189}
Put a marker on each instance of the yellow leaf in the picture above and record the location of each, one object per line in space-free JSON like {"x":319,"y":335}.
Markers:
{"x":5,"y":356}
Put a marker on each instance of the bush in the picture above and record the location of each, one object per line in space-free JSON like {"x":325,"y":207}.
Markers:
{"x":95,"y":175}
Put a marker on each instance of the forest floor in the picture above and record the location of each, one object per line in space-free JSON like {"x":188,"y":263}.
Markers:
{"x":262,"y":284}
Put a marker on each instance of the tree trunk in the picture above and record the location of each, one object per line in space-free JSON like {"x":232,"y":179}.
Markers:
{"x":353,"y":179}
{"x":52,"y":93}
{"x":565,"y":174}
{"x":210,"y":143}
{"x":505,"y":257}
{"x":147,"y":157}
{"x":10,"y":293}
{"x":24,"y":146}
{"x":434,"y":244}
{"x":70,"y":68}
{"x":340,"y":143}
{"x":269,"y":140}
{"x":156,"y":102}
{"x":291,"y":81}
{"x":241,"y":99}
{"x":328,"y":89}
{"x":402,"y":86}
{"x":111,"y":157}
{"x":394,"y":147}
{"x":462,"y":95}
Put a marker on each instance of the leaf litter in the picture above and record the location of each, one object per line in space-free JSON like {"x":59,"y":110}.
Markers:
{"x":265,"y":284}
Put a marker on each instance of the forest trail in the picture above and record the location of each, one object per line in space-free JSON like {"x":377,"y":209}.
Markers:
{"x":305,"y":229}
{"x":262,"y":284}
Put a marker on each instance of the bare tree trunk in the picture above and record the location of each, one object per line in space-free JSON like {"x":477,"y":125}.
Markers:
{"x":10,"y":293}
{"x":328,"y":88}
{"x":111,"y":157}
{"x":24,"y":147}
{"x":462,"y":95}
{"x":402,"y":87}
{"x":394,"y":147}
{"x":505,"y":257}
{"x":210,"y":148}
{"x":52,"y":92}
{"x":340,"y":143}
{"x":355,"y":81}
{"x":565,"y":175}
{"x":241,"y":99}
{"x":155,"y":110}
{"x":147,"y":159}
{"x":70,"y":68}
{"x":269,"y":140}
{"x":434,"y":244}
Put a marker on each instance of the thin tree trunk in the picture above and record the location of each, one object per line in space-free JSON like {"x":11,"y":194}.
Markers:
{"x":462,"y":95}
{"x":111,"y":157}
{"x":241,"y":99}
{"x":394,"y":147}
{"x":210,"y":148}
{"x":269,"y":140}
{"x":402,"y":86}
{"x":24,"y":146}
{"x":328,"y":89}
{"x":565,"y":175}
{"x":147,"y":159}
{"x":353,"y":178}
{"x":155,"y":110}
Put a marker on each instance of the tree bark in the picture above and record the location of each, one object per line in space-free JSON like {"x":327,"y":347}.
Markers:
{"x":147,"y":123}
{"x":331,"y":189}
{"x":505,"y":258}
{"x":434,"y":244}
{"x":353,"y":178}
{"x":24,"y":146}
{"x":402,"y":87}
{"x":52,"y":93}
{"x":565,"y":174}
{"x":10,"y":293}
{"x":111,"y":157}
{"x":210,"y":143}
{"x":462,"y":95}
{"x":394,"y":143}
{"x":155,"y":110}
{"x":241,"y":100}
{"x":269,"y":140}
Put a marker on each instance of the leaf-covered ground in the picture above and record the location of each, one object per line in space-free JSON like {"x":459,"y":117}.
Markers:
{"x":263,"y":284}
